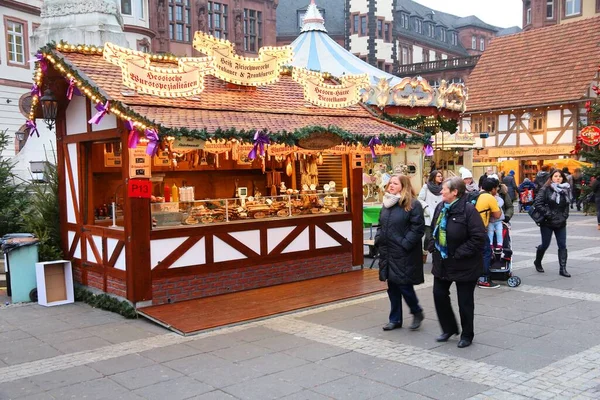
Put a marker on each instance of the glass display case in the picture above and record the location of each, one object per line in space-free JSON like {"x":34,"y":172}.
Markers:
{"x":246,"y":208}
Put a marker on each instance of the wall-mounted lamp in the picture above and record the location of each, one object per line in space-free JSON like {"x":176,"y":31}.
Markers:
{"x":49,"y":108}
{"x":20,"y":135}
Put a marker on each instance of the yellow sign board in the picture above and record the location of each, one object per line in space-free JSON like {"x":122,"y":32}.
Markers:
{"x":185,"y":80}
{"x":322,"y":94}
{"x":232,"y":68}
{"x":524,"y":151}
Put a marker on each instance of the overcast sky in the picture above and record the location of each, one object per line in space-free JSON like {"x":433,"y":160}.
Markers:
{"x":501,"y":13}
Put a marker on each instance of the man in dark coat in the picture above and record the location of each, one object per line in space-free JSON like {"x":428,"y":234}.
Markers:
{"x":457,"y":257}
{"x":511,"y":185}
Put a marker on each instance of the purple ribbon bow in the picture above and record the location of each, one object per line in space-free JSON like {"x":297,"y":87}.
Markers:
{"x":428,"y":149}
{"x":72,"y":89}
{"x":102,"y":110}
{"x":372,"y":143}
{"x":39,"y":57}
{"x":133,"y":135}
{"x":32,"y":127}
{"x":260,"y":140}
{"x":152,"y":137}
{"x":36,"y":91}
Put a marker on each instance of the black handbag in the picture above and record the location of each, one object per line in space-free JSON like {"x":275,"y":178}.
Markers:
{"x":536,"y":215}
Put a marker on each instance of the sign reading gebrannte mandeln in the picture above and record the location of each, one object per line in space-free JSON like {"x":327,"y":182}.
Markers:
{"x":243,"y":71}
{"x":184,"y":80}
{"x":316,"y":91}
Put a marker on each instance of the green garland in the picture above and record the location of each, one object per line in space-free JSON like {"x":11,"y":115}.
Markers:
{"x":283,"y":137}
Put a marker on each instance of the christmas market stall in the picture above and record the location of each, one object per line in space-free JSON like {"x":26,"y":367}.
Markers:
{"x":183,"y":178}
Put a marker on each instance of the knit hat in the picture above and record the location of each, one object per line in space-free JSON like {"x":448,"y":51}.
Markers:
{"x":512,"y":172}
{"x":494,"y":176}
{"x":465,"y":173}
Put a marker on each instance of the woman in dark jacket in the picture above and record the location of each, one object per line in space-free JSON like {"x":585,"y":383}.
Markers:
{"x":398,"y":240}
{"x":553,"y":200}
{"x":457,"y":247}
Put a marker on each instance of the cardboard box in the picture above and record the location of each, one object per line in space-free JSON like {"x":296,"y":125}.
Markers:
{"x":54,"y":283}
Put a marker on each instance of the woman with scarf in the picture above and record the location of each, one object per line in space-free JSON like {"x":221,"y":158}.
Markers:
{"x":430,"y":195}
{"x":553,"y":200}
{"x":458,"y":237}
{"x":398,"y":240}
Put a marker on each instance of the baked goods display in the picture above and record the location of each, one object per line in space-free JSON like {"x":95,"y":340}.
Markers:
{"x":202,"y":212}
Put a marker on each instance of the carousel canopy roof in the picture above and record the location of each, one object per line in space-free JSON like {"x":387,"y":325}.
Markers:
{"x":316,"y":51}
{"x":277,"y":107}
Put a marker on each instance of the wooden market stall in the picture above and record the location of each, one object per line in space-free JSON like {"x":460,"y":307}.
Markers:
{"x":191,"y":177}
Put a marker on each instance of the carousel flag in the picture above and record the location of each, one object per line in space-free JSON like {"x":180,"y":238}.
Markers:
{"x":372,"y":143}
{"x":32,"y":127}
{"x":260,"y":140}
{"x":102,"y":111}
{"x":152,"y":137}
{"x":133,"y":135}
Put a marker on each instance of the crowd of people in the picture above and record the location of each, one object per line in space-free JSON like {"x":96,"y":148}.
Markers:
{"x":461,"y":222}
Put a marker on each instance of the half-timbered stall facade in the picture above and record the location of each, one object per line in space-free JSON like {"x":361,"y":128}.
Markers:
{"x":183,"y":178}
{"x":528,"y":92}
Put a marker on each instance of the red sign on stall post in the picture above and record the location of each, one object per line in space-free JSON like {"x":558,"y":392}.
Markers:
{"x":590,"y":135}
{"x":141,"y":188}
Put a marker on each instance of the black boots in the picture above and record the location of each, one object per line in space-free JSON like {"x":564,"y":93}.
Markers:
{"x":417,"y":319}
{"x":562,"y":262}
{"x":539,"y":254}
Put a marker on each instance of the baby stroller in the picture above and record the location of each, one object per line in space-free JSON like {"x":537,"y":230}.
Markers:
{"x":526,"y":199}
{"x":501,"y":264}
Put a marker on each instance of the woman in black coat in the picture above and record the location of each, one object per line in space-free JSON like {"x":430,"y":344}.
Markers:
{"x":457,"y":247}
{"x":553,"y":200}
{"x":398,"y":240}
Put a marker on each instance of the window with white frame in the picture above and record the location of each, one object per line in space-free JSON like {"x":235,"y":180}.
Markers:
{"x":126,"y":7}
{"x":355,"y":23}
{"x":217,"y":19}
{"x":473,"y":43}
{"x":454,"y":39}
{"x":430,"y":30}
{"x":536,"y":122}
{"x":572,"y":7}
{"x":419,"y":26}
{"x":404,"y":60}
{"x":549,"y":9}
{"x":481,"y":44}
{"x":252,"y":30}
{"x":404,"y":20}
{"x":442,"y":34}
{"x":15,"y":41}
{"x":528,"y":16}
{"x":180,"y":27}
{"x":140,"y":9}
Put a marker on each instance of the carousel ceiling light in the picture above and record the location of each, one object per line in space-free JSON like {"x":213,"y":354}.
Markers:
{"x":49,"y":108}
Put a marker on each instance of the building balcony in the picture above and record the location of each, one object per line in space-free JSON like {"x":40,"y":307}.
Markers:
{"x":437,"y":66}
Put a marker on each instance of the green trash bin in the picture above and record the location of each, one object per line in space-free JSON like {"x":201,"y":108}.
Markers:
{"x":21,"y":254}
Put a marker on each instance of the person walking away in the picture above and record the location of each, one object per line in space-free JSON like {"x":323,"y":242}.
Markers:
{"x":467,"y":176}
{"x":488,"y":207}
{"x":553,"y":200}
{"x":511,"y":185}
{"x":489,"y":171}
{"x":430,"y":195}
{"x":596,"y":191}
{"x":576,"y":187}
{"x":542,"y":176}
{"x":398,"y":239}
{"x":458,"y":237}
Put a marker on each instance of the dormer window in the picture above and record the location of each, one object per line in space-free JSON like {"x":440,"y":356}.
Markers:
{"x":404,"y":20}
{"x":430,"y":30}
{"x":473,"y":43}
{"x":482,"y":44}
{"x":454,"y":39}
{"x":419,"y":26}
{"x":442,"y":34}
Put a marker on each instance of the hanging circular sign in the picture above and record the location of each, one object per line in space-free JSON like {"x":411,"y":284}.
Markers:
{"x":590,"y":135}
{"x":319,"y":141}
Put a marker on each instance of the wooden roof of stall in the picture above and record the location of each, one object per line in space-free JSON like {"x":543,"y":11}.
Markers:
{"x":277,"y":107}
{"x":543,"y":66}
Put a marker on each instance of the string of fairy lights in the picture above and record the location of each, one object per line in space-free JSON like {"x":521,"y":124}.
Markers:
{"x":48,"y":54}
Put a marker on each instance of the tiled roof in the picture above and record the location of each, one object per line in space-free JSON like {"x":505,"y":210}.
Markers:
{"x":276,"y":107}
{"x":542,"y":66}
{"x":288,"y":10}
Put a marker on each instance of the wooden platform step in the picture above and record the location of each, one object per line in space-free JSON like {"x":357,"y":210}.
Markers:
{"x":193,"y":316}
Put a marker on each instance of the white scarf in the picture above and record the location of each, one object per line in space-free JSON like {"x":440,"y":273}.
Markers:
{"x":390,"y":200}
{"x":559,"y":188}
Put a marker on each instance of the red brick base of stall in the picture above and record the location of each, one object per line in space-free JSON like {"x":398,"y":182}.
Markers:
{"x":96,"y":280}
{"x":171,"y":290}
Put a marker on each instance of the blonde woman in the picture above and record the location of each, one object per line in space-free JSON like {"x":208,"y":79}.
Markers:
{"x":398,"y":239}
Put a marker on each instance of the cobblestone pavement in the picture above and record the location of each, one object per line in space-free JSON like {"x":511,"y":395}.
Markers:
{"x":537,"y":341}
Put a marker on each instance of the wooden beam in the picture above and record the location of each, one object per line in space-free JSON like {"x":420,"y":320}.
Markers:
{"x":356,"y":206}
{"x":178,"y":252}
